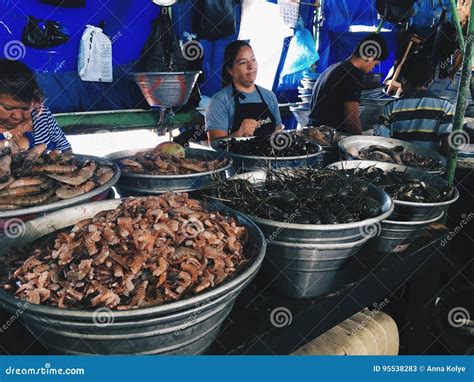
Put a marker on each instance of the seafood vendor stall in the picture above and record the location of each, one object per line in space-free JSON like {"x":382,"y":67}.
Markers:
{"x":189,"y":218}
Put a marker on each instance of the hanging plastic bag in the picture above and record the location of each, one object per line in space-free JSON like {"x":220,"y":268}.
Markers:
{"x":44,"y":33}
{"x":95,"y":56}
{"x":302,"y":51}
{"x":162,"y":52}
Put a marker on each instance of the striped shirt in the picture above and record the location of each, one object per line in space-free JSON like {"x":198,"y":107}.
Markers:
{"x":420,"y":117}
{"x":47,"y":131}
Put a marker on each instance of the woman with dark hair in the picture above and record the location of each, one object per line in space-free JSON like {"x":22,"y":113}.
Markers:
{"x":241,"y":108}
{"x":24,"y":119}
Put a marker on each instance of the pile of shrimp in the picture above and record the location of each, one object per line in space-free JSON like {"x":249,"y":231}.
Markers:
{"x":147,"y":251}
{"x":34,"y":177}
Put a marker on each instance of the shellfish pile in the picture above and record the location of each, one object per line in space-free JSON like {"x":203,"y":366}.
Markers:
{"x":147,"y":251}
{"x":302,"y":196}
{"x":402,"y":186}
{"x":278,"y":144}
{"x":159,"y":162}
{"x":34,"y":177}
{"x":397,"y":155}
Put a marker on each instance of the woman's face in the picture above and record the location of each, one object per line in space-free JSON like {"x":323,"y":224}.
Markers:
{"x":13,"y":112}
{"x":245,"y":67}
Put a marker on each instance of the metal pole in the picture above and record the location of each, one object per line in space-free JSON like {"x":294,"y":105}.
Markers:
{"x":461,"y":104}
{"x":457,"y":24}
{"x":380,"y":26}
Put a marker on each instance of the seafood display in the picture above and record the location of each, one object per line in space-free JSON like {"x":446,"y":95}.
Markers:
{"x":279,"y":144}
{"x":168,"y":159}
{"x":323,"y":135}
{"x":403,"y":186}
{"x":34,"y":177}
{"x":302,"y":196}
{"x":397,"y":155}
{"x":145,"y":252}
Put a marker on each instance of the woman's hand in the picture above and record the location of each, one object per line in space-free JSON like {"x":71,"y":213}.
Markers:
{"x":247,"y":128}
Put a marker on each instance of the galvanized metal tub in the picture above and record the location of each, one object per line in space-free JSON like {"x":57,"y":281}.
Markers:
{"x":396,"y":236}
{"x":358,"y":142}
{"x":142,"y":184}
{"x":305,"y":260}
{"x":406,"y":211}
{"x":247,"y":163}
{"x":15,"y":218}
{"x":166,"y":89}
{"x":184,"y":327}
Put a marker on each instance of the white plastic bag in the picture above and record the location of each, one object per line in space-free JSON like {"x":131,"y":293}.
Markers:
{"x":95,"y":56}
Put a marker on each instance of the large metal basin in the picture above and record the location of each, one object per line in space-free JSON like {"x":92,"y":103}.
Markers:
{"x":406,"y":211}
{"x":359,"y":142}
{"x":142,"y":184}
{"x":246,"y":163}
{"x":166,"y":89}
{"x":397,"y":236}
{"x":305,"y":260}
{"x":184,"y":327}
{"x":14,"y":217}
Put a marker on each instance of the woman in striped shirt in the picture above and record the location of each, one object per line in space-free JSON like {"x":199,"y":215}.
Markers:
{"x":24,"y":119}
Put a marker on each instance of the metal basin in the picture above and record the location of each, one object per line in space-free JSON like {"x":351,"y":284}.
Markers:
{"x":166,"y":89}
{"x":184,"y":327}
{"x":397,"y":236}
{"x":26,"y":214}
{"x":305,"y":260}
{"x":142,"y":184}
{"x":359,"y":142}
{"x":246,"y":163}
{"x":406,"y":211}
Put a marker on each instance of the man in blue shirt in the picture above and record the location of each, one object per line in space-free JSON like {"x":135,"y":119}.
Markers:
{"x":419,"y":116}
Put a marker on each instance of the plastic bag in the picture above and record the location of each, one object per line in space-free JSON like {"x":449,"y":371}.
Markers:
{"x":95,"y":56}
{"x":302,"y":51}
{"x":162,"y":52}
{"x":44,"y":33}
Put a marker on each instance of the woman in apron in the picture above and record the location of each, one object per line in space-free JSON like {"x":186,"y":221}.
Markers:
{"x":241,"y":108}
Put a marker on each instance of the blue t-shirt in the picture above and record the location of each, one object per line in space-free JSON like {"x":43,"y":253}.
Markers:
{"x":221,"y":110}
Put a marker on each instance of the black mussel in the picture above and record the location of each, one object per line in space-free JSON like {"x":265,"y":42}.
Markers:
{"x":327,"y":217}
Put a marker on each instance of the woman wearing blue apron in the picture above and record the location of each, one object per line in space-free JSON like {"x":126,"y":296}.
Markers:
{"x":241,"y":108}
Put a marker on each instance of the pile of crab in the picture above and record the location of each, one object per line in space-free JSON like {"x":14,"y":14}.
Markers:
{"x":146,"y":252}
{"x":309,"y":196}
{"x":35,"y":177}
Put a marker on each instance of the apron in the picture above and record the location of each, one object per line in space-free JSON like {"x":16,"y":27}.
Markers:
{"x":256,"y":110}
